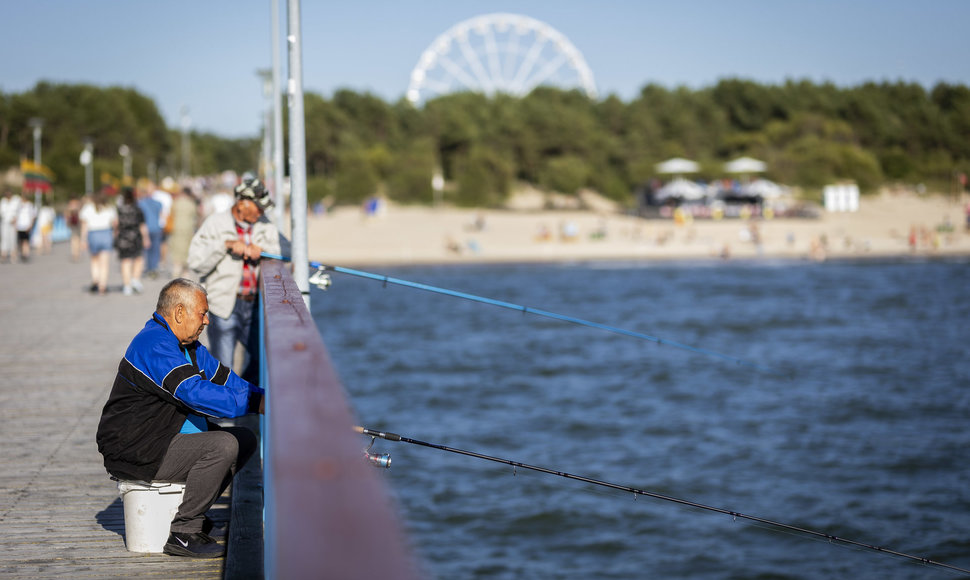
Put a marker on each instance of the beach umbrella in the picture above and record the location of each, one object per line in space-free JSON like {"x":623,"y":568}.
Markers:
{"x":745,"y":165}
{"x":678,"y":165}
{"x":764,"y":189}
{"x":680,"y":188}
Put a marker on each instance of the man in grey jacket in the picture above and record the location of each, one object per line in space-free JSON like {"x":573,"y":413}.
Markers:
{"x":225,"y":253}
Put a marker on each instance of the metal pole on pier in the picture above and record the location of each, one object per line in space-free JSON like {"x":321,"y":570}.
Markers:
{"x":277,"y":117}
{"x":87,"y":160}
{"x":298,"y":202}
{"x":186,"y":143}
{"x":266,"y":169}
{"x":38,"y":125}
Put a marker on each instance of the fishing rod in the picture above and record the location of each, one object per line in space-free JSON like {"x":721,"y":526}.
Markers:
{"x":321,"y":280}
{"x":637,"y":492}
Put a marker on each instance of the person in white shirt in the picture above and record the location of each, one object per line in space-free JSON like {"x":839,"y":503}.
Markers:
{"x":26,"y":217}
{"x":8,"y":228}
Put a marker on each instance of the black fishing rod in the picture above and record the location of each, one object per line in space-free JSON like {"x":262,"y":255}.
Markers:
{"x":324,"y":282}
{"x":780,"y":525}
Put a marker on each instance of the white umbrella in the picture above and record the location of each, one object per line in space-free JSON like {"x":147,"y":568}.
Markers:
{"x":764,"y":188}
{"x":678,"y":165}
{"x":680,"y":188}
{"x":745,"y":165}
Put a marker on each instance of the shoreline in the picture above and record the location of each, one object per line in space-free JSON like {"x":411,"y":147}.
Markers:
{"x":887,"y":226}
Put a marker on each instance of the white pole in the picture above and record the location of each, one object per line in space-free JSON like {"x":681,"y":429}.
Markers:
{"x":298,"y":207}
{"x":38,"y":125}
{"x":186,"y":156}
{"x":266,"y":168}
{"x":87,"y":160}
{"x":277,"y":118}
{"x":125,"y":153}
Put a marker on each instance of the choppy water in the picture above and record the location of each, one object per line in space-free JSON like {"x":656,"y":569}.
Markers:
{"x":868,"y":440}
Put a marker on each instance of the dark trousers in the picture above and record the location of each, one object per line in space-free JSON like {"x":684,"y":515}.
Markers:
{"x":206,"y":463}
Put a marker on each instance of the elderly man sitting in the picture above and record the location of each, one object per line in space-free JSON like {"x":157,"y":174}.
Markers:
{"x":154,"y":426}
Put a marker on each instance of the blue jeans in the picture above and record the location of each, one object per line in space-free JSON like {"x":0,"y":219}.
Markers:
{"x":153,"y":254}
{"x":241,"y":326}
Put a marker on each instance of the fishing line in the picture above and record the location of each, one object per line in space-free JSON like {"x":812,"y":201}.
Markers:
{"x":637,"y":492}
{"x":527,"y":310}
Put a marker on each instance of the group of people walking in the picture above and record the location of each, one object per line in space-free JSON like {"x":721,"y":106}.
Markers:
{"x":146,"y":225}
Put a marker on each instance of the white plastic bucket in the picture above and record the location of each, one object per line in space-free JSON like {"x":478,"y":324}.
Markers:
{"x":149,"y":511}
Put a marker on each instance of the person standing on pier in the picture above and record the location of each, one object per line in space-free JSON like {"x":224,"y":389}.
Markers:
{"x":184,"y":218}
{"x":98,"y":220}
{"x":225,"y":252}
{"x":152,"y":210}
{"x":26,"y":218}
{"x":131,"y":239}
{"x":8,"y":226}
{"x":154,"y":425}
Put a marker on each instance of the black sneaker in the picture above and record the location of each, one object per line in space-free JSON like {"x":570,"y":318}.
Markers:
{"x":207,"y":525}
{"x":192,"y":546}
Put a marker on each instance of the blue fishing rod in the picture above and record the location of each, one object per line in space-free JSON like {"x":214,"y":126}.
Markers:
{"x":320,"y":280}
{"x":385,"y":461}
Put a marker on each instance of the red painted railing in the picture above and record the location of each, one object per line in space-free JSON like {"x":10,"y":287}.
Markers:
{"x":327,"y":511}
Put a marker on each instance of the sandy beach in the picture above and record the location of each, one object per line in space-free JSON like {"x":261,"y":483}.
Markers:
{"x":401,"y":235}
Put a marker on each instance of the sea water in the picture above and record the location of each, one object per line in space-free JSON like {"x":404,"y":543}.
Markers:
{"x":863,"y":433}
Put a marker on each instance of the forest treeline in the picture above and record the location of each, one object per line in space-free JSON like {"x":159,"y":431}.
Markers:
{"x":357,"y":144}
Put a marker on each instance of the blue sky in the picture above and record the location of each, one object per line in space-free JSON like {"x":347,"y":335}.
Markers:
{"x":203,"y":54}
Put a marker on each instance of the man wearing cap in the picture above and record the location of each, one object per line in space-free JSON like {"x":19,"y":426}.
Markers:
{"x":225,"y":253}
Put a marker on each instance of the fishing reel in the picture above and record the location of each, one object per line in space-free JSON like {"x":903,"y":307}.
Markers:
{"x":377,"y":459}
{"x":321,"y":279}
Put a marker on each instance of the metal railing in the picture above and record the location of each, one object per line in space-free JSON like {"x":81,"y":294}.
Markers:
{"x":327,"y":514}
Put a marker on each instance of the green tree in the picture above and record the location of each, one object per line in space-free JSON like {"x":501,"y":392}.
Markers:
{"x":410,"y":172}
{"x":355,"y":179}
{"x":566,"y":173}
{"x":483,"y":177}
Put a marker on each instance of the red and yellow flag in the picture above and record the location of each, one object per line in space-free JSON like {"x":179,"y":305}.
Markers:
{"x":36,"y":177}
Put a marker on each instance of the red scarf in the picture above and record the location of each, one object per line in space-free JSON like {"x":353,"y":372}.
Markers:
{"x":248,"y":284}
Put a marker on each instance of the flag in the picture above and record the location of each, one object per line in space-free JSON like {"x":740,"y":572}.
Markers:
{"x":36,"y":177}
{"x":109,"y":183}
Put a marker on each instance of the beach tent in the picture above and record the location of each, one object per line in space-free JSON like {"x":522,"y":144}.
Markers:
{"x":745,"y":165}
{"x":682,"y":189}
{"x":764,"y":189}
{"x":678,"y":165}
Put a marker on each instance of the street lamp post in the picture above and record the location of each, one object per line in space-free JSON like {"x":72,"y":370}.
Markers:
{"x":186,"y":125}
{"x":125,"y":153}
{"x":38,"y":125}
{"x":298,"y":209}
{"x":87,"y":160}
{"x":277,"y":115}
{"x":266,"y":158}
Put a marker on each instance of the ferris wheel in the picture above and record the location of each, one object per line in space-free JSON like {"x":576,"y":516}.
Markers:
{"x":499,"y":53}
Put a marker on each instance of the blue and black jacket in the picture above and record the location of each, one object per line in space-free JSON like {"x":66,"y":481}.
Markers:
{"x":155,"y":389}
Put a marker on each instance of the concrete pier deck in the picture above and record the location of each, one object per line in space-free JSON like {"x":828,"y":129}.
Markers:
{"x":60,"y":514}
